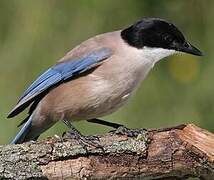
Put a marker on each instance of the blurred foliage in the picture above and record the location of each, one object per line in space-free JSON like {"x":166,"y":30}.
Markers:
{"x":34,"y":34}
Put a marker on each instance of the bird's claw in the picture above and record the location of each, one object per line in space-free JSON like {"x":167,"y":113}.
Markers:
{"x":122,"y":130}
{"x":84,"y":141}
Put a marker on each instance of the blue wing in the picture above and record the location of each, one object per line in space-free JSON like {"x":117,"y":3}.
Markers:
{"x":58,"y":74}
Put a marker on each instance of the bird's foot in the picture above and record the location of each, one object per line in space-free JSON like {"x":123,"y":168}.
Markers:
{"x":84,"y":141}
{"x":122,"y":130}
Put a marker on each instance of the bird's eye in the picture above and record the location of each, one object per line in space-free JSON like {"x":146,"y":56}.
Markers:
{"x":186,"y":45}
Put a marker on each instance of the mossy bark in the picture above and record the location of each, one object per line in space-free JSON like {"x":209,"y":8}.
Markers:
{"x":172,"y":153}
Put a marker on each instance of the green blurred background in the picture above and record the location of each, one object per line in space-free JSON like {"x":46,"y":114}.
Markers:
{"x":35,"y":34}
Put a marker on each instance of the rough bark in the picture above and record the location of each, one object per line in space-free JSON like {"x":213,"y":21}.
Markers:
{"x":172,"y":153}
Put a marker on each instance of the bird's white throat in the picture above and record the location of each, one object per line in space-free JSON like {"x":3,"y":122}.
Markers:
{"x":156,"y":54}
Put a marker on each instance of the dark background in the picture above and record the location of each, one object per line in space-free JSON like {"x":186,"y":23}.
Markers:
{"x":35,"y":34}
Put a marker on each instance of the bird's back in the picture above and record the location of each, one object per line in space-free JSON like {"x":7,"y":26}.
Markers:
{"x":104,"y":89}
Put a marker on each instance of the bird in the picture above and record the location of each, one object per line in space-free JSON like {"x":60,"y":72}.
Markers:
{"x":97,"y":77}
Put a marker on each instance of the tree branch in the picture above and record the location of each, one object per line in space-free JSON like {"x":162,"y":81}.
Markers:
{"x":172,"y":153}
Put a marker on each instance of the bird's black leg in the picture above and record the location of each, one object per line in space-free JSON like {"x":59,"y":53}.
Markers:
{"x":83,"y":140}
{"x":120,"y":129}
{"x":106,"y":123}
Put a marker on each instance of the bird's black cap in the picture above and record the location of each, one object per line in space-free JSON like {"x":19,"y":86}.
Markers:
{"x":155,"y":32}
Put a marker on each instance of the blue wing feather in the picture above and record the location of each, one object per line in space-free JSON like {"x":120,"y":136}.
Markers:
{"x":40,"y":81}
{"x":25,"y":129}
{"x":59,"y":73}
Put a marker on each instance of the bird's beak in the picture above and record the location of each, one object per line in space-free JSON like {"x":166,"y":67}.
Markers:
{"x":188,"y":48}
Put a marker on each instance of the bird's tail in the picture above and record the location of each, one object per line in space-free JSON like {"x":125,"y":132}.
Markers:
{"x":21,"y":136}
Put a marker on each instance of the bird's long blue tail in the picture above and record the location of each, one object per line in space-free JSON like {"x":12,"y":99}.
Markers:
{"x":23,"y":132}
